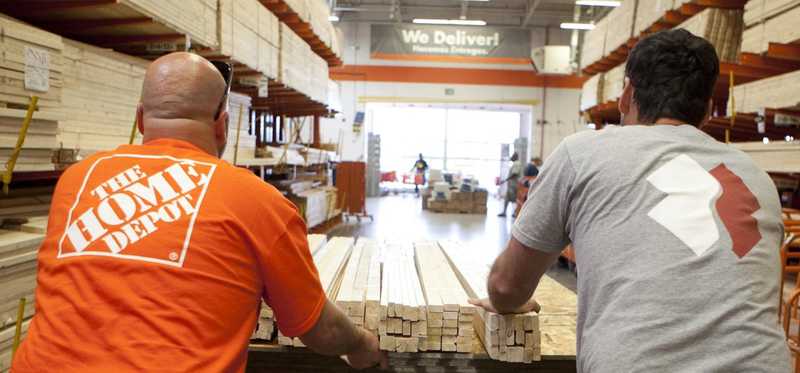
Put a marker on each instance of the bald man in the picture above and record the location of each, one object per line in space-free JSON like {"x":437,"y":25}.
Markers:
{"x":157,"y":255}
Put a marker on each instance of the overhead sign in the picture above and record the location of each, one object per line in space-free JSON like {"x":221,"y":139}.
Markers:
{"x":450,"y":43}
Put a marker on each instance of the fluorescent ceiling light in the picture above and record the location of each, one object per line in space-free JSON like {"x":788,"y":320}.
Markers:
{"x":333,"y":18}
{"x":577,"y":26}
{"x":598,"y":3}
{"x":460,"y":22}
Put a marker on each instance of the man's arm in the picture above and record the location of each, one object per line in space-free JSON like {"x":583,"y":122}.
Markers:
{"x":335,"y":335}
{"x":515,"y":275}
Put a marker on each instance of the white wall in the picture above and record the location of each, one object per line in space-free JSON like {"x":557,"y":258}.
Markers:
{"x":562,"y":116}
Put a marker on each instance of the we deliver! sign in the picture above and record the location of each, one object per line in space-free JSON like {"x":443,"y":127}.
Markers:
{"x":450,"y":44}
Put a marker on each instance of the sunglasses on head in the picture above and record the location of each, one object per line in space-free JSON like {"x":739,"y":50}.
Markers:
{"x":226,"y":70}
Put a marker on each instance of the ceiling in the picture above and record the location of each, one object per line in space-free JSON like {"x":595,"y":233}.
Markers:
{"x":505,"y":13}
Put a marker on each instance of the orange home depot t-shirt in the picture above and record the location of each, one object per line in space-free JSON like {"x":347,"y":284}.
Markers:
{"x":156,"y":258}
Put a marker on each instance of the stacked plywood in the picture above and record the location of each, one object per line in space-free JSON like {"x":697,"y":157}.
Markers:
{"x":18,"y":252}
{"x":101,"y":91}
{"x":592,"y":92}
{"x":777,"y":92}
{"x":513,"y":338}
{"x":25,"y":203}
{"x":35,"y":56}
{"x":446,"y":299}
{"x":721,"y":27}
{"x":195,"y":18}
{"x":778,"y":25}
{"x":594,"y":43}
{"x":613,"y":83}
{"x":301,"y":68}
{"x":620,"y":26}
{"x":403,"y":323}
{"x":759,"y":11}
{"x":773,"y":157}
{"x":649,"y":12}
{"x":330,"y":261}
{"x":248,"y":33}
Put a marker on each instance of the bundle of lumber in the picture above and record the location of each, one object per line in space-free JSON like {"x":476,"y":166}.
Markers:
{"x":248,"y":33}
{"x":241,"y":140}
{"x":592,"y":92}
{"x":776,"y":156}
{"x":512,"y":338}
{"x":649,"y":12}
{"x":195,"y":18}
{"x":24,"y":203}
{"x":777,"y":92}
{"x":447,"y":302}
{"x":31,"y":64}
{"x":301,"y":68}
{"x":101,"y":91}
{"x":613,"y":83}
{"x":721,"y":27}
{"x":403,"y":323}
{"x":594,"y":43}
{"x":352,"y":292}
{"x":620,"y":26}
{"x":313,"y":204}
{"x":317,"y":14}
{"x":776,"y":24}
{"x":330,"y":261}
{"x":18,"y":252}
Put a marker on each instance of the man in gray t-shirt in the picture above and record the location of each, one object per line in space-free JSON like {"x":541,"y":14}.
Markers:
{"x":676,"y":235}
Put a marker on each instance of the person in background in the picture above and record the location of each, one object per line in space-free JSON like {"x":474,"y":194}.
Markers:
{"x":419,"y":169}
{"x":512,"y":183}
{"x":676,"y":239}
{"x":157,"y":256}
{"x":532,"y":168}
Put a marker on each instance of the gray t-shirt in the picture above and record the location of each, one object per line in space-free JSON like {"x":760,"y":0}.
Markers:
{"x":676,"y":239}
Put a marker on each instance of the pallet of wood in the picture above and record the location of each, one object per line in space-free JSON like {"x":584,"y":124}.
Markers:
{"x":403,"y":325}
{"x":512,"y":338}
{"x":620,"y":26}
{"x":721,"y":27}
{"x":301,"y":68}
{"x":759,"y":11}
{"x":592,"y":92}
{"x":779,"y":25}
{"x":594,"y":43}
{"x":248,"y":34}
{"x":613,"y":83}
{"x":777,"y":92}
{"x":195,"y":18}
{"x":776,"y":156}
{"x":450,"y":316}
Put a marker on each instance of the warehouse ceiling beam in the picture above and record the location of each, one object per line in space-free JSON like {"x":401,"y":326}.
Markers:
{"x":532,"y":5}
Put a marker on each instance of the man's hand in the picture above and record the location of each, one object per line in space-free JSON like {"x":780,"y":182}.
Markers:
{"x":486,"y":304}
{"x":368,"y":354}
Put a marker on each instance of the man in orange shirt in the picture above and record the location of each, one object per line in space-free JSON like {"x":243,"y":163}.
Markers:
{"x":157,"y":256}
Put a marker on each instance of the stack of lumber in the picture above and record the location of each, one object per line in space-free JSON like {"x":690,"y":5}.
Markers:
{"x":721,"y":27}
{"x":248,"y":33}
{"x":317,"y":14}
{"x":620,"y":27}
{"x":316,"y":242}
{"x":241,"y":141}
{"x":613,"y":83}
{"x":403,"y":320}
{"x":353,"y":290}
{"x":649,"y":12}
{"x":195,"y":18}
{"x":18,"y":252}
{"x":23,"y":47}
{"x":301,"y":68}
{"x":372,"y":295}
{"x":512,"y":338}
{"x":776,"y":156}
{"x":592,"y":92}
{"x":316,"y":205}
{"x":330,"y":261}
{"x":25,"y":203}
{"x":777,"y":92}
{"x":773,"y":21}
{"x":101,"y":91}
{"x":594,"y":43}
{"x":446,"y":299}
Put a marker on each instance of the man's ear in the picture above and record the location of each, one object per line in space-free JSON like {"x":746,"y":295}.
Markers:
{"x":140,"y":118}
{"x":625,"y":101}
{"x":221,"y":127}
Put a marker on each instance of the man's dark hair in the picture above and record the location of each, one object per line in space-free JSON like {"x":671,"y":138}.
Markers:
{"x":674,"y":74}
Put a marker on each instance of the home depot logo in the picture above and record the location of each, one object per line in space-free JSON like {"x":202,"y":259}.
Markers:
{"x":144,"y":211}
{"x":687,"y":209}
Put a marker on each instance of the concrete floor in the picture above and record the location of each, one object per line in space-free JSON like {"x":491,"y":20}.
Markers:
{"x":400,"y":217}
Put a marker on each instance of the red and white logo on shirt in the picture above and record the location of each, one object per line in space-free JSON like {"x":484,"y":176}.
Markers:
{"x":146,"y":197}
{"x":693,"y":194}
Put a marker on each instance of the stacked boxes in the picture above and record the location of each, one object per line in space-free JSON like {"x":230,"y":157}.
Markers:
{"x":460,"y":203}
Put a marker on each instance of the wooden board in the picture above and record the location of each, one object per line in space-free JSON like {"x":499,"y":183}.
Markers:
{"x":777,"y":92}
